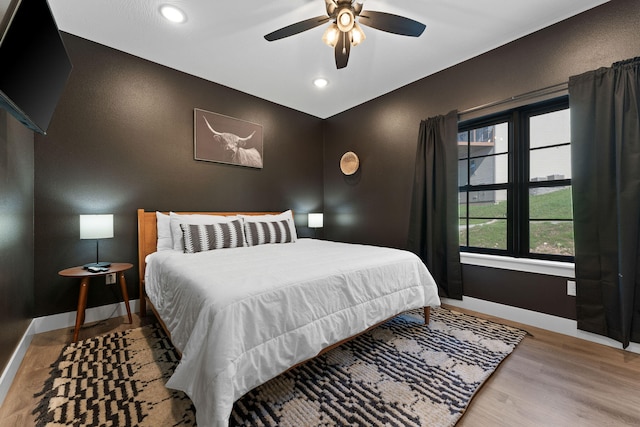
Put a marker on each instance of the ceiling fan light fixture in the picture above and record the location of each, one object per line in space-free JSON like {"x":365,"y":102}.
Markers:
{"x":343,"y":32}
{"x":356,"y":35}
{"x":331,"y":34}
{"x":345,"y":20}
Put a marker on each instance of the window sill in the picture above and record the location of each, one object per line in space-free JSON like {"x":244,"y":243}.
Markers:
{"x":550,"y":268}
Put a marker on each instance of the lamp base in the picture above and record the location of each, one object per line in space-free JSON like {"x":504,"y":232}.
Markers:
{"x":102,"y":264}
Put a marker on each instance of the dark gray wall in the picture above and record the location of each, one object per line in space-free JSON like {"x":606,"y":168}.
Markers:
{"x":16,"y":233}
{"x":122,"y":139}
{"x":537,"y":292}
{"x":373,"y":206}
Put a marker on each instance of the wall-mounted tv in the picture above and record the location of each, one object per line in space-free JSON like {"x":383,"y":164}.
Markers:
{"x":34,"y":64}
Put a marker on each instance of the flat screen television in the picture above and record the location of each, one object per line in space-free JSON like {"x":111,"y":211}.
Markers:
{"x":34,"y":64}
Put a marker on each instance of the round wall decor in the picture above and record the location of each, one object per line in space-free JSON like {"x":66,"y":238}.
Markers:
{"x":349,"y":163}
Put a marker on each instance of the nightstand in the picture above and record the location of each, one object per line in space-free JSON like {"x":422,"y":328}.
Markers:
{"x":79,"y":272}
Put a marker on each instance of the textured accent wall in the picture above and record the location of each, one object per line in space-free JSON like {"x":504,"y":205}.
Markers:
{"x":373,"y":205}
{"x":122,"y":139}
{"x":16,"y":233}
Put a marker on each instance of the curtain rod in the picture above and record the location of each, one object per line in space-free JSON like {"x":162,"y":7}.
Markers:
{"x":560,"y":87}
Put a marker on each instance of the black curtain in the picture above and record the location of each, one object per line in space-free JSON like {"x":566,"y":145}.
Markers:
{"x":605,"y":143}
{"x":433,"y":225}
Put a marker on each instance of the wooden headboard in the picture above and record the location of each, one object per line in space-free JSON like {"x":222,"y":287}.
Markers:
{"x":148,"y":239}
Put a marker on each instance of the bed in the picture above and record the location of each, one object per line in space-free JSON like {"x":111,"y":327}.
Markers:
{"x":241,"y":315}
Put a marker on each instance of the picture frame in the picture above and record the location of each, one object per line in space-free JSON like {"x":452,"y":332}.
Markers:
{"x":223,"y":139}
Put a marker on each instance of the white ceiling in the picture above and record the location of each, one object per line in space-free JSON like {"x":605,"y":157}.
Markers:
{"x":222,"y":41}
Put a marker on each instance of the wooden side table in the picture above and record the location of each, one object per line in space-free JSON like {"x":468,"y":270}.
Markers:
{"x":117,"y":267}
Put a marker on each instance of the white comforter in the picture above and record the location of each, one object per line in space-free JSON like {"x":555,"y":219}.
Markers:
{"x":242,"y":316}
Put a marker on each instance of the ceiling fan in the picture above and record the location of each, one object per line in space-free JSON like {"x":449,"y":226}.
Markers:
{"x":344,"y":31}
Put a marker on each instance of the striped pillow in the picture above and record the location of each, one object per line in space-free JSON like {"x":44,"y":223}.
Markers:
{"x":258,"y":233}
{"x":206,"y":237}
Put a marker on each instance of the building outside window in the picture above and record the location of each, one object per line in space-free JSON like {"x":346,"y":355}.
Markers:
{"x":514,"y":176}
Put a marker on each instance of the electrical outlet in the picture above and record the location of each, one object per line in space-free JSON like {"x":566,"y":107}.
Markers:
{"x":571,"y":288}
{"x":110,"y":278}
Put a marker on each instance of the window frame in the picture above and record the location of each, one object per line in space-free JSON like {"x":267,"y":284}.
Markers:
{"x":518,"y":176}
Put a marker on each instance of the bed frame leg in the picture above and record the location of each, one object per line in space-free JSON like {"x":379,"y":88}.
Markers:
{"x":143,"y":300}
{"x":427,"y":314}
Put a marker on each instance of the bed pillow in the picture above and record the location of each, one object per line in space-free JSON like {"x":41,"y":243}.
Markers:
{"x":261,"y":232}
{"x":207,"y":237}
{"x":163,"y":231}
{"x":177,"y":219}
{"x":286,"y":215}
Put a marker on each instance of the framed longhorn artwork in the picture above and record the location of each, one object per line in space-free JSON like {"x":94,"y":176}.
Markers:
{"x":223,"y":139}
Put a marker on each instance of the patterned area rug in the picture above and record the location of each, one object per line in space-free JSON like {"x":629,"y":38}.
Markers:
{"x":400,"y":374}
{"x":115,"y":380}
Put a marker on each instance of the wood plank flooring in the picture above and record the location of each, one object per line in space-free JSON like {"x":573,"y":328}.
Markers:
{"x":549,"y":380}
{"x":16,"y":411}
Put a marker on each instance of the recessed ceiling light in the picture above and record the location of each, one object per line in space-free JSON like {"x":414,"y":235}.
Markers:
{"x":172,"y":13}
{"x":321,"y":82}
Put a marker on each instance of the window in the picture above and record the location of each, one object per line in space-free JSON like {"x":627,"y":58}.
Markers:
{"x":514,"y":177}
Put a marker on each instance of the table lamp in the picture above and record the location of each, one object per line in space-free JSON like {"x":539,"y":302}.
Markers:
{"x":315,"y":220}
{"x":96,"y":227}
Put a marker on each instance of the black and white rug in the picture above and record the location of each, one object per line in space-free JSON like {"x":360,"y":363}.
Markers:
{"x":402,"y":373}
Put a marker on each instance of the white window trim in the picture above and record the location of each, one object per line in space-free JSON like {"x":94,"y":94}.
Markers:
{"x":550,"y":268}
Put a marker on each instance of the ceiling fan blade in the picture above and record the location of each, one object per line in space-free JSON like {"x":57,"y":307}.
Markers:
{"x":296,"y":28}
{"x":357,"y":7}
{"x":331,"y":6}
{"x":391,"y":23}
{"x":343,"y":48}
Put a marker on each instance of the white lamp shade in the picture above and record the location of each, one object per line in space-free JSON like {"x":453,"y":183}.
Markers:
{"x":315,"y":220}
{"x":96,"y":226}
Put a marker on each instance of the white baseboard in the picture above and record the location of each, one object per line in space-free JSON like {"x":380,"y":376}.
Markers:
{"x":539,"y":320}
{"x":94,"y":314}
{"x":528,"y":317}
{"x":53,"y":322}
{"x":11,"y":369}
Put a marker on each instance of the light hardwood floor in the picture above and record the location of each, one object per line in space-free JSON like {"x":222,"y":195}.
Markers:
{"x":549,"y":380}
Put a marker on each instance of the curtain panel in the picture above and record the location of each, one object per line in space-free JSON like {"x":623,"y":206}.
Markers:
{"x":433,"y":223}
{"x":605,"y":143}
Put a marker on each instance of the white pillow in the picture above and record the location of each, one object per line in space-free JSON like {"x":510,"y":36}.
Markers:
{"x":163,"y":230}
{"x":197,"y":219}
{"x":286,"y":215}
